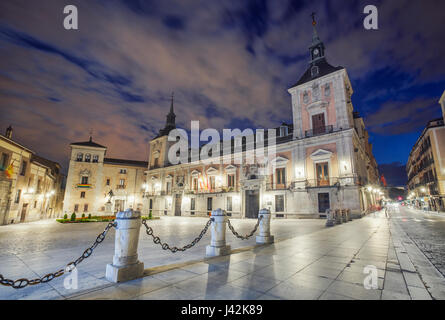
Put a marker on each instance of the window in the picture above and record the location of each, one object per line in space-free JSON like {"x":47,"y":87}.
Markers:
{"x":82,"y":194}
{"x":231,"y":180}
{"x":192,"y":204}
{"x":79,"y":156}
{"x":122,"y":182}
{"x":123,"y":171}
{"x":39,"y":185}
{"x":280,"y":174}
{"x":95,"y":158}
{"x":209,"y":204}
{"x":283,"y":131}
{"x":318,"y":123}
{"x":84,"y":180}
{"x":168,"y":186}
{"x":35,"y":204}
{"x":322,"y":174}
{"x":212,"y":182}
{"x":195,"y":184}
{"x":314,"y":71}
{"x":279,"y":203}
{"x":85,"y":207}
{"x":17,"y":196}
{"x":108,"y":182}
{"x":327,"y":90}
{"x":23,"y":169}
{"x":4,"y":161}
{"x":229,"y":203}
{"x":76,"y":208}
{"x":88,"y":157}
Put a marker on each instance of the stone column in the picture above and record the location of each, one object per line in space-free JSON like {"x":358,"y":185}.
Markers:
{"x":264,"y":236}
{"x":126,"y":265}
{"x":218,"y":245}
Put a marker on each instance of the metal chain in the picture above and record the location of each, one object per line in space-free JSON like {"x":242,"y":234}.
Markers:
{"x":23,"y":282}
{"x":165,"y":246}
{"x":249,"y":235}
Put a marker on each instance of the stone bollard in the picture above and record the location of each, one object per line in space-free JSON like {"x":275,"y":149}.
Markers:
{"x":330,"y":220}
{"x":264,"y":236}
{"x":126,"y":265}
{"x":218,"y":245}
{"x":349,"y":214}
{"x":344,"y":216}
{"x":338,"y":219}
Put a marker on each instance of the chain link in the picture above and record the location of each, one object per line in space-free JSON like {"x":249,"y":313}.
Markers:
{"x":165,"y":246}
{"x":23,"y":282}
{"x":236,"y":234}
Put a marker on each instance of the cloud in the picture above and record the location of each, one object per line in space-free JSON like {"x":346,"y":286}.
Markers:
{"x":229,"y":63}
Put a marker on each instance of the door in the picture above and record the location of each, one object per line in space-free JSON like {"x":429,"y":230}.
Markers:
{"x":322,"y":174}
{"x":318,"y":123}
{"x":323,"y":202}
{"x":252,"y":203}
{"x":178,"y":202}
{"x":23,"y":216}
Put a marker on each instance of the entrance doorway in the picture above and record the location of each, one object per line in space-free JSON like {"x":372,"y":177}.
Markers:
{"x":23,"y":216}
{"x":252,"y":203}
{"x":178,"y":202}
{"x":323,"y":202}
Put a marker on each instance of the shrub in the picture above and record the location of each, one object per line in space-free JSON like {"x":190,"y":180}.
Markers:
{"x":83,"y":215}
{"x":65,"y":216}
{"x":150,"y":215}
{"x":73,"y":217}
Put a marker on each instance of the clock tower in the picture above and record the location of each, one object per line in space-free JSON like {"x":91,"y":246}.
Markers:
{"x":317,"y":46}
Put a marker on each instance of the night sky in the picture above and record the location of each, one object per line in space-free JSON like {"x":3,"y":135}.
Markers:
{"x":229,"y":63}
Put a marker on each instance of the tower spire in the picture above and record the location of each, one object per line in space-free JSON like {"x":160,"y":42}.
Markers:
{"x":317,"y":46}
{"x":170,"y":123}
{"x":315,"y":37}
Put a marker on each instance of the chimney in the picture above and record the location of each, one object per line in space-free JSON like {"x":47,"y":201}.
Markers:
{"x":9,"y":132}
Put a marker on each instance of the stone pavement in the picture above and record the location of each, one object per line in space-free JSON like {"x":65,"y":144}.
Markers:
{"x":327,"y":263}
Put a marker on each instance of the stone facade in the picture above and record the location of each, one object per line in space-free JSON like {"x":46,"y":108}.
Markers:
{"x":426,"y":166}
{"x":92,"y":176}
{"x":35,"y":189}
{"x":322,"y":161}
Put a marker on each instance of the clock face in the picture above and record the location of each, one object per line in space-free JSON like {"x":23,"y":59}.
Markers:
{"x":316,"y":52}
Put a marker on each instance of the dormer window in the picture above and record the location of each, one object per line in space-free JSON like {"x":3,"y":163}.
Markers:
{"x":79,"y":157}
{"x":284,"y":131}
{"x":88,"y":157}
{"x":314,"y":71}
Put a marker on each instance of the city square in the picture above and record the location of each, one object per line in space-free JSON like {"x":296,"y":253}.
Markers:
{"x":216,"y":151}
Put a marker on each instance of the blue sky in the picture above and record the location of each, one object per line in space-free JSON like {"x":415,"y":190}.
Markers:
{"x":229,"y":63}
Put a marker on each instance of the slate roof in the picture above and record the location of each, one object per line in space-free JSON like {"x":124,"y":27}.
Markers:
{"x":126,"y":162}
{"x":324,"y":68}
{"x":88,"y":144}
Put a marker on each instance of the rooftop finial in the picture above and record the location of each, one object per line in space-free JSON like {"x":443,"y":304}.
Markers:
{"x":91,"y":135}
{"x":171,"y":106}
{"x":314,"y":23}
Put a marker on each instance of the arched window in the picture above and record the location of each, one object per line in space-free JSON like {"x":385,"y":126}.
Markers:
{"x":88,"y":157}
{"x":79,"y":156}
{"x":95,"y":158}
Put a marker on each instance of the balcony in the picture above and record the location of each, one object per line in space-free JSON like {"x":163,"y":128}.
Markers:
{"x":79,"y":185}
{"x":121,"y":186}
{"x":276,"y":186}
{"x":318,"y":131}
{"x":322,"y":183}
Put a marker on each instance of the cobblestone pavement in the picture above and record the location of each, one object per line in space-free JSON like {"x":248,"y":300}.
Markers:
{"x":427,"y":230}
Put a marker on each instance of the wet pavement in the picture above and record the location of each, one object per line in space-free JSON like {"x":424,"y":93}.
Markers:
{"x":308,"y":261}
